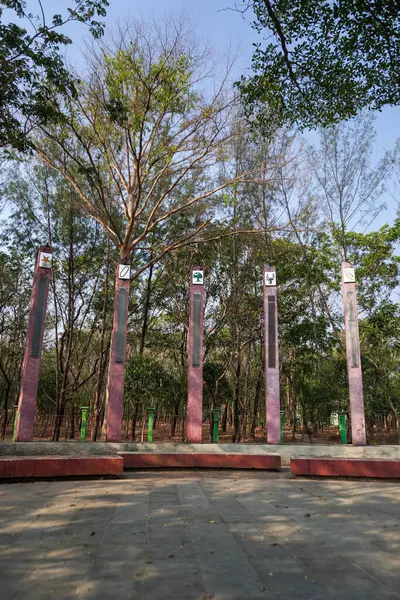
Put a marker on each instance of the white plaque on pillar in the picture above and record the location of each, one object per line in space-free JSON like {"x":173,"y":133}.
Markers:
{"x":45,"y":260}
{"x":269,"y":278}
{"x":124,"y":272}
{"x":349,"y":275}
{"x":198,"y":277}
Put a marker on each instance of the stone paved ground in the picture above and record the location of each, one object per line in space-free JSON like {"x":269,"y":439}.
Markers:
{"x":200,"y":536}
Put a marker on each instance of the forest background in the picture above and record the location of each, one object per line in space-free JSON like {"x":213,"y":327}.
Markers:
{"x":300,"y":201}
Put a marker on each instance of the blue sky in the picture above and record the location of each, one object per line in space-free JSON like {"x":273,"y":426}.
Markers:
{"x":222,"y":29}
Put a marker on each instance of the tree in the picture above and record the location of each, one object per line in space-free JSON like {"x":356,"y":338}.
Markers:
{"x":348,"y":188}
{"x":146,"y":384}
{"x":14,"y":299}
{"x":141,"y":142}
{"x":327,"y":62}
{"x":41,"y":210}
{"x":32,"y":68}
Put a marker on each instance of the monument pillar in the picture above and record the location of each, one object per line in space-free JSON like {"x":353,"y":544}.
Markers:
{"x":194,"y":420}
{"x":116,"y":369}
{"x":358,"y":435}
{"x":272,"y":387}
{"x":33,"y":346}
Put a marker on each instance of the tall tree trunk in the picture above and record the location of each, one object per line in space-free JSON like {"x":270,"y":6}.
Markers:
{"x":134,"y":420}
{"x":210,"y":418}
{"x":155,"y":415}
{"x":255,"y":403}
{"x":58,"y":422}
{"x":175,"y":417}
{"x":146,"y":311}
{"x":6,"y":397}
{"x":72,"y":417}
{"x":236,"y":400}
{"x":224,"y":418}
{"x":246,"y":394}
{"x":306,"y":429}
{"x":396,"y":415}
{"x":68,"y":333}
{"x":103,"y":355}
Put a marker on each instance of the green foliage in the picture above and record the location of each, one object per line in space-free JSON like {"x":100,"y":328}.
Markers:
{"x":33,"y":71}
{"x":288,"y":217}
{"x":328,"y":61}
{"x":147,"y":381}
{"x":378,"y":265}
{"x":128,"y":80}
{"x":216,"y":383}
{"x":141,"y":137}
{"x":380,"y":343}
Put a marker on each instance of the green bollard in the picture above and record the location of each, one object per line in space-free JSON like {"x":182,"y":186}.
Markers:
{"x":215,"y":419}
{"x":151,"y":412}
{"x":15,"y":424}
{"x":281,"y":424}
{"x":84,"y":410}
{"x":342,"y":427}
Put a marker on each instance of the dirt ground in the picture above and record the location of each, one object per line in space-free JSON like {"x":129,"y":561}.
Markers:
{"x":162,"y":431}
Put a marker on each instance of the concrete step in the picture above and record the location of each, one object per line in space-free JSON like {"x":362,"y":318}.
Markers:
{"x":346,"y":467}
{"x":199,"y":460}
{"x":45,"y":467}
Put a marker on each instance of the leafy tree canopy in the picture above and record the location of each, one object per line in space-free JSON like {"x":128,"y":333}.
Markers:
{"x":32,"y":68}
{"x":328,"y":60}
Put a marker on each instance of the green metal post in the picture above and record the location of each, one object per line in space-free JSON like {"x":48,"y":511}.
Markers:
{"x":342,"y":427}
{"x":215,"y":419}
{"x":15,"y":424}
{"x":84,"y":410}
{"x":151,"y":412}
{"x":282,"y":413}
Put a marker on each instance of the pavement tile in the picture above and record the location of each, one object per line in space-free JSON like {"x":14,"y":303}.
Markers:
{"x":200,"y":536}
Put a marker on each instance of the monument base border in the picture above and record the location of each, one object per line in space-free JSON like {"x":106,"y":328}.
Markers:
{"x":43,"y":467}
{"x":346,"y":467}
{"x":183,"y":460}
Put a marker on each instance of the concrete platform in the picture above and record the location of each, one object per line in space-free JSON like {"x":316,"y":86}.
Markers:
{"x":200,"y":535}
{"x":70,"y":448}
{"x":346,"y":467}
{"x":285,"y":451}
{"x":44,"y":467}
{"x":184,"y":460}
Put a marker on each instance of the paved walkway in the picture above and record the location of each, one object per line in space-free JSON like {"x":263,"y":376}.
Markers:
{"x":200,"y":536}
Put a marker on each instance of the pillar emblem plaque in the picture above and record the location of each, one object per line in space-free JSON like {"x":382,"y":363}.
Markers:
{"x":45,"y":260}
{"x":270,"y":278}
{"x":349,"y":275}
{"x":124,"y":272}
{"x":198,"y":277}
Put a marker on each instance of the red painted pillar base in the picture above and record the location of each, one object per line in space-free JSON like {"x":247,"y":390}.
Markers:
{"x":116,"y":372}
{"x":194,"y":422}
{"x":33,"y":346}
{"x":272,"y":385}
{"x":354,"y":370}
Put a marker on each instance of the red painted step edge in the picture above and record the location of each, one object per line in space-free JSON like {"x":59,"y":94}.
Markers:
{"x":59,"y":466}
{"x":138,"y":460}
{"x":346,"y":467}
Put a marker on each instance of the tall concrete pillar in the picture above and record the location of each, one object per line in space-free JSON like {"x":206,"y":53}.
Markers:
{"x":33,"y":347}
{"x":272,"y":387}
{"x":194,"y":422}
{"x":116,"y":370}
{"x":353,"y":353}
